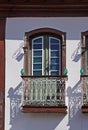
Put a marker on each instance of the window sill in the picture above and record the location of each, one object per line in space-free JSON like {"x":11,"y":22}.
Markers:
{"x":60,"y":109}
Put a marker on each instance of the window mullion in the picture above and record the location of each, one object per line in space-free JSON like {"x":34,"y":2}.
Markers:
{"x":46,"y":55}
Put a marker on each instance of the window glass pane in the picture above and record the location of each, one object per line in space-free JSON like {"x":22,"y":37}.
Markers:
{"x":54,"y":53}
{"x":54,"y":47}
{"x":54,"y":67}
{"x":37,"y":66}
{"x":55,"y":41}
{"x":54,"y":44}
{"x":38,"y":40}
{"x":55,"y":73}
{"x":37,"y":59}
{"x":37,"y":46}
{"x":54,"y":60}
{"x":37,"y":53}
{"x":37,"y":73}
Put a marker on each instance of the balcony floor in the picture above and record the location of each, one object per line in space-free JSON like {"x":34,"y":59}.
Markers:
{"x":59,"y":109}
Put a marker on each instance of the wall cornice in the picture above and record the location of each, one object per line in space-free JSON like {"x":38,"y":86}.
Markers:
{"x":44,"y":10}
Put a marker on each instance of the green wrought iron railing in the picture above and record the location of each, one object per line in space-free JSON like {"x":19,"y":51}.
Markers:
{"x":44,"y":90}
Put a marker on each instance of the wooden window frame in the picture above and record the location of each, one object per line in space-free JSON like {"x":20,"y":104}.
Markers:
{"x":42,"y":31}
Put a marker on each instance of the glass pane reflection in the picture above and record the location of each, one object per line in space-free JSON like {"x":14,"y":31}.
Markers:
{"x":37,"y":59}
{"x":37,"y":73}
{"x":37,"y":66}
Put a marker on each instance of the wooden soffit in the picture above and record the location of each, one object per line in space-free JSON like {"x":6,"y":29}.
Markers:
{"x":43,"y":8}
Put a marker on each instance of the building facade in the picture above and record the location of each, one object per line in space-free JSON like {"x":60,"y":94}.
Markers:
{"x":43,"y":51}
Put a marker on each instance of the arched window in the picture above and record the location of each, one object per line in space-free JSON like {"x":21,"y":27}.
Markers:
{"x":44,"y":66}
{"x":46,"y":55}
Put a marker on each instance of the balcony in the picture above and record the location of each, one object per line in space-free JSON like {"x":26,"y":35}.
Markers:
{"x":44,"y":94}
{"x":84,"y":79}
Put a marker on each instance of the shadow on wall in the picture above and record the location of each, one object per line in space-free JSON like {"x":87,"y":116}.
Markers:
{"x":76,"y":55}
{"x":29,"y":121}
{"x":15,"y":96}
{"x":74,"y":106}
{"x":18,"y":54}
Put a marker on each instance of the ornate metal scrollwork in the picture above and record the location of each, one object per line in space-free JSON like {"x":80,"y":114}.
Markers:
{"x":44,"y":91}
